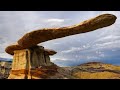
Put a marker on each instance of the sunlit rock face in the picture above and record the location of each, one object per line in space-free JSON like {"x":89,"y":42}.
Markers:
{"x":27,"y":60}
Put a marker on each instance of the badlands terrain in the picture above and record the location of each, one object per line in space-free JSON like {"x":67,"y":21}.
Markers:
{"x":90,"y":70}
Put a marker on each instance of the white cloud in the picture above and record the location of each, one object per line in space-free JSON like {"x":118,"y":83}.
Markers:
{"x":5,"y":55}
{"x":57,"y":43}
{"x":102,"y":55}
{"x":111,"y":44}
{"x":55,"y":20}
{"x":92,"y":57}
{"x":109,"y":37}
{"x":75,"y":49}
{"x":53,"y":59}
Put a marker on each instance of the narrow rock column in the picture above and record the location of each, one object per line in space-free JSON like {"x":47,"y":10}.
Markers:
{"x":26,"y":61}
{"x":19,"y":63}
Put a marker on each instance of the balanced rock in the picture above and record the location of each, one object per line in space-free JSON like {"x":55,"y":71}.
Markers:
{"x":33,"y":38}
{"x":42,"y":35}
{"x":29,"y":57}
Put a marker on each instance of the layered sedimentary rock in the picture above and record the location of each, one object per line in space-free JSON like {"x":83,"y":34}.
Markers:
{"x":31,"y":61}
{"x":27,"y":60}
{"x":91,"y":70}
{"x":11,"y":48}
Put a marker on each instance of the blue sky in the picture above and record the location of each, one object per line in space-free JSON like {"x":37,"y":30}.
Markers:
{"x":102,"y":45}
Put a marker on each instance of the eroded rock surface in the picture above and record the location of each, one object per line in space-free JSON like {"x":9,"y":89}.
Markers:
{"x":37,"y":36}
{"x":33,"y":62}
{"x":27,"y":61}
{"x":91,"y":70}
{"x":5,"y":67}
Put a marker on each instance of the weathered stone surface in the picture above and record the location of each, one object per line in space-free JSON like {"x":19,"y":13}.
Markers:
{"x":33,"y":38}
{"x":42,"y":35}
{"x":11,"y":48}
{"x":26,"y":60}
{"x":90,"y":70}
{"x":44,"y":72}
{"x":5,"y":67}
{"x":50,"y":52}
{"x":31,"y":61}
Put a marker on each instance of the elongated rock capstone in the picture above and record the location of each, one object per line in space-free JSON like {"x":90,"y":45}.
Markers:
{"x":38,"y":36}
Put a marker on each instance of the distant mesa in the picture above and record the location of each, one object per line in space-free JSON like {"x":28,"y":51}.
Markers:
{"x":5,"y":59}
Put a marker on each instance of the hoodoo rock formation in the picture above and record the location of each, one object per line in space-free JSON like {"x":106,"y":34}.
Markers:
{"x":27,"y":60}
{"x":38,"y":36}
{"x":28,"y":55}
{"x":35,"y":37}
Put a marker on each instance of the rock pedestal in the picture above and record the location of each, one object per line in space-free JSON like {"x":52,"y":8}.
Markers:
{"x":26,"y":61}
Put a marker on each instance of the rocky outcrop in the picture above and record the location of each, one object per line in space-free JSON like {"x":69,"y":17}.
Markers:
{"x":96,"y":70}
{"x":26,"y":61}
{"x":5,"y":67}
{"x":91,"y":70}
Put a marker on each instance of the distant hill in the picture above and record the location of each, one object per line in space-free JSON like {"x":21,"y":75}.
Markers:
{"x":96,"y":70}
{"x":5,"y":59}
{"x":90,"y":70}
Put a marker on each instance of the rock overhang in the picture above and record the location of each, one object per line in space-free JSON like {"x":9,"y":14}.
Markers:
{"x":35,"y":37}
{"x":13,"y":47}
